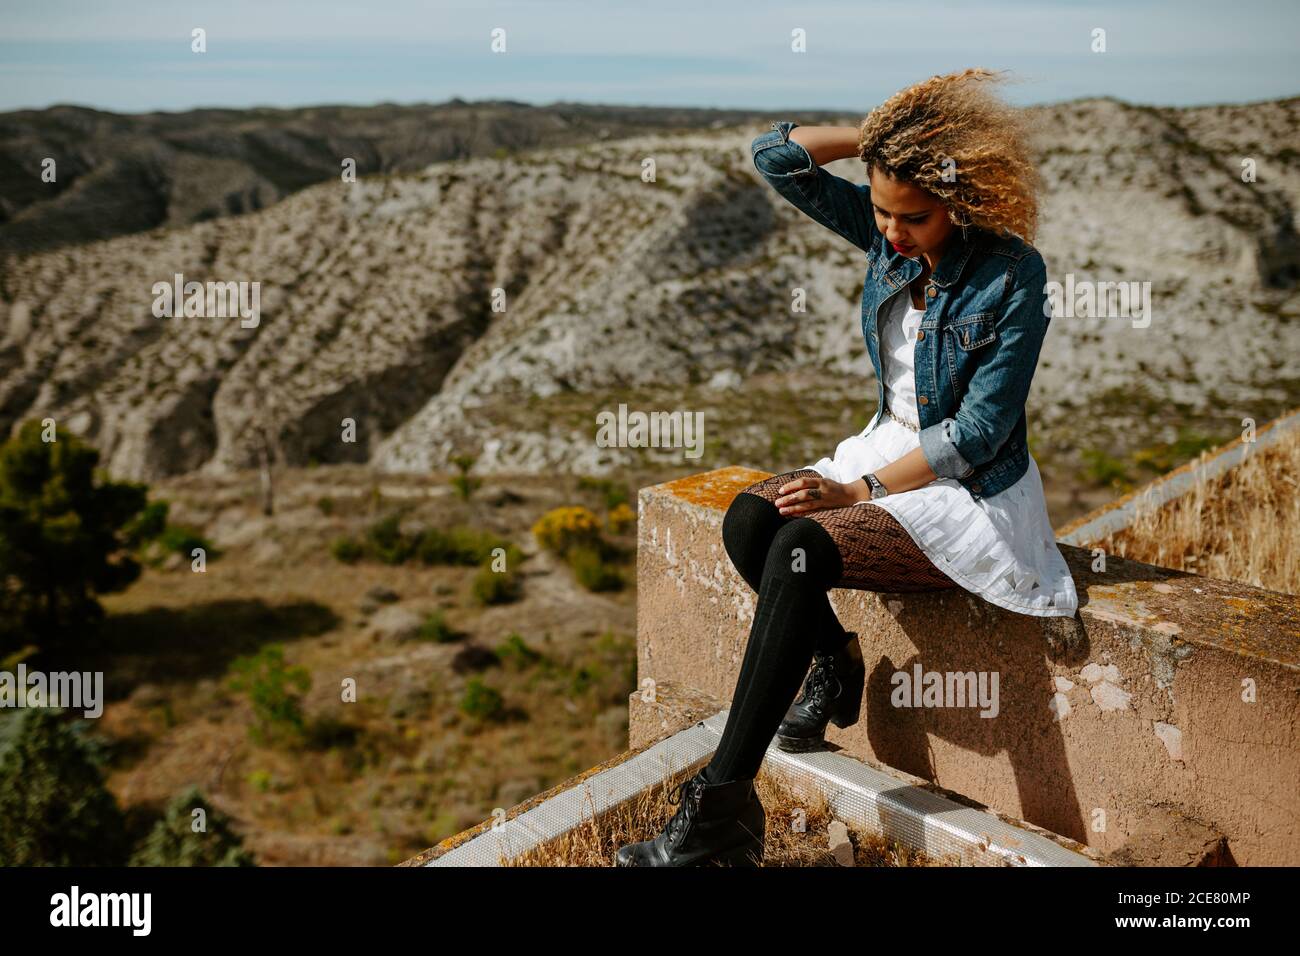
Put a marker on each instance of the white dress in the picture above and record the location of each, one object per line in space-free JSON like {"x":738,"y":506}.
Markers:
{"x":1001,"y":547}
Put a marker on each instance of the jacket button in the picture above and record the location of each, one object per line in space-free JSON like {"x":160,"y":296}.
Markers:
{"x":923,"y":400}
{"x":931,"y":292}
{"x":920,"y":334}
{"x":974,"y":487}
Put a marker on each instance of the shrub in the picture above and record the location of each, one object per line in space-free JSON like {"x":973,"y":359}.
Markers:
{"x":495,"y":587}
{"x":147,"y":525}
{"x":480,"y":700}
{"x":174,"y":841}
{"x":464,"y":484}
{"x":150,"y":534}
{"x":584,"y":678}
{"x":271,"y":685}
{"x":347,"y":549}
{"x":620,"y":518}
{"x":561,"y":529}
{"x":461,"y":545}
{"x":1105,"y":469}
{"x":183,"y":539}
{"x":385,"y":541}
{"x":54,"y":807}
{"x":436,"y":629}
{"x":615,"y":493}
{"x":592,"y":572}
{"x":515,"y":651}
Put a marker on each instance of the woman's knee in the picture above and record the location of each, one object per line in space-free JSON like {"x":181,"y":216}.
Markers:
{"x":747,"y":530}
{"x":803,"y":548}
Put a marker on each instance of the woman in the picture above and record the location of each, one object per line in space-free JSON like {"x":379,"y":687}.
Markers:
{"x":939,"y":490}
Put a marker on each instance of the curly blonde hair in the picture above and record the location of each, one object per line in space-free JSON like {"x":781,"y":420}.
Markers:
{"x":951,"y":125}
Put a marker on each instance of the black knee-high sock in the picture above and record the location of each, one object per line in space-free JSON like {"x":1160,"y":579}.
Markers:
{"x":780,"y":645}
{"x":748,"y":528}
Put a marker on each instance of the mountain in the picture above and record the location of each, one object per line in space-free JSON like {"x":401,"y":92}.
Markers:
{"x":123,"y":173}
{"x":380,"y":300}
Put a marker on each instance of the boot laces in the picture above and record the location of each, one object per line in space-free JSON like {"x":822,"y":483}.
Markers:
{"x":821,"y":680}
{"x":687,"y":794}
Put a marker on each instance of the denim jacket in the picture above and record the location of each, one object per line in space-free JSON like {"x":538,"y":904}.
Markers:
{"x":978,"y":344}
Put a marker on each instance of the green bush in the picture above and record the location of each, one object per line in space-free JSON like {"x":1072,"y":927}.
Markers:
{"x":584,"y":678}
{"x":54,"y":807}
{"x":496,"y":587}
{"x":515,"y":651}
{"x":174,"y":841}
{"x":152,"y":536}
{"x":182,"y":540}
{"x":147,"y":525}
{"x":480,"y":700}
{"x":385,"y":541}
{"x":347,"y":549}
{"x":1165,"y":456}
{"x":614,"y":492}
{"x":464,"y":484}
{"x":461,"y":545}
{"x":1105,"y":469}
{"x":592,"y":571}
{"x":436,"y":629}
{"x":271,"y":685}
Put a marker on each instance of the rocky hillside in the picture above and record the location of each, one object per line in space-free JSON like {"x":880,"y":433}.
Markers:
{"x":120,"y":173}
{"x":377,"y":305}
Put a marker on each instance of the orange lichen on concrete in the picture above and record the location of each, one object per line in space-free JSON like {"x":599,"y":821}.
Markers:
{"x":1251,"y":621}
{"x":714,"y":489}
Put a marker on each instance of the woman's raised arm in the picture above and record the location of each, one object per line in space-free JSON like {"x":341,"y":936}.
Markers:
{"x":790,"y":167}
{"x":827,"y":143}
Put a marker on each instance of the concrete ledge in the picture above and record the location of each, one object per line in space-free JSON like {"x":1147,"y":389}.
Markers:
{"x":875,"y":799}
{"x":1165,"y":716}
{"x":676,"y":705}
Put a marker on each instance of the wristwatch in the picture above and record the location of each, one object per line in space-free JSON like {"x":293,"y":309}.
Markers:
{"x":877,"y":489}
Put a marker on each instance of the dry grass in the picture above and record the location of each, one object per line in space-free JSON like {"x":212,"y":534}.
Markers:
{"x":594,"y":842}
{"x":404,"y":765}
{"x":1241,"y":526}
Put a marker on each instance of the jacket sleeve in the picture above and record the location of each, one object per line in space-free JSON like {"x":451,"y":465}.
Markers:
{"x":836,"y":203}
{"x":998,"y":390}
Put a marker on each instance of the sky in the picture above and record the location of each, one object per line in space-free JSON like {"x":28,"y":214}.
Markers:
{"x":135,"y":55}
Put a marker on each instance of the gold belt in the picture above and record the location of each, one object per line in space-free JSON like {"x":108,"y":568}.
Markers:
{"x":902,"y":421}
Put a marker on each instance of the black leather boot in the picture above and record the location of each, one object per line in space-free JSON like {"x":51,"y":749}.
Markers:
{"x":831,"y":693}
{"x":716,"y":822}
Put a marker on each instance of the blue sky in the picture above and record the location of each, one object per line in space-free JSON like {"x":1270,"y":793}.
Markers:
{"x":134,"y":55}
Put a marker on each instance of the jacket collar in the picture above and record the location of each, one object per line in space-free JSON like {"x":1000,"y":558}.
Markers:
{"x":960,"y":249}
